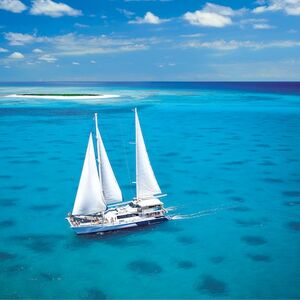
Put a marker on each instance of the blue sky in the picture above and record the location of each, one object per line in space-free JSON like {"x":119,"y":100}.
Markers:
{"x":149,"y":40}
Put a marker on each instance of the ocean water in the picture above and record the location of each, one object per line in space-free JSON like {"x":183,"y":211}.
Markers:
{"x":227,"y":155}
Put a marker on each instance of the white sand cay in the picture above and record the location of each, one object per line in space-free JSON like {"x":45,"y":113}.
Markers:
{"x":62,"y":97}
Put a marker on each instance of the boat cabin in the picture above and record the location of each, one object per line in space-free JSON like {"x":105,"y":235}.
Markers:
{"x":149,"y":204}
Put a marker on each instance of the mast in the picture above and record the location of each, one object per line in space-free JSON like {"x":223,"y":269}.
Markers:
{"x":110,"y":187}
{"x":146,"y":183}
{"x":136,"y":154}
{"x":98,"y":149}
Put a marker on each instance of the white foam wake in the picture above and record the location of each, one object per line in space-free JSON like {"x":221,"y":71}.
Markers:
{"x":56,"y":97}
{"x":198,"y":214}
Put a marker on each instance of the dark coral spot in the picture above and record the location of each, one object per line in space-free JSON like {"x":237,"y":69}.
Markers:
{"x":187,"y":240}
{"x":144,"y":267}
{"x":185,"y":264}
{"x":8,"y":202}
{"x":237,"y":199}
{"x":212,"y":286}
{"x":5,"y":255}
{"x":267,"y":163}
{"x":248,"y":223}
{"x":171,"y":154}
{"x":253,"y":240}
{"x":291,"y":193}
{"x":292,"y":203}
{"x":42,"y":189}
{"x":94,"y":293}
{"x":5,"y":176}
{"x":16,"y":268}
{"x":259,"y":257}
{"x":294,"y":225}
{"x":17,"y":187}
{"x":7,"y":223}
{"x":273,"y":180}
{"x":191,"y":192}
{"x":262,"y":145}
{"x":226,"y":192}
{"x":39,"y":243}
{"x":44,"y":207}
{"x":217,"y":259}
{"x":47,"y":276}
{"x":235,"y":163}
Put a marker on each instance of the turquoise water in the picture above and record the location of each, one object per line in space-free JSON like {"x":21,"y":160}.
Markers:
{"x":228,"y":158}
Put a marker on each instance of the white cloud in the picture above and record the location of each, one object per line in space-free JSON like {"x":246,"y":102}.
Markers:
{"x":14,"y":6}
{"x":201,"y":18}
{"x":262,"y":26}
{"x":75,"y":44}
{"x":17,"y":39}
{"x":37,"y":50}
{"x":213,"y":15}
{"x":149,"y":18}
{"x":92,"y":61}
{"x":48,"y":58}
{"x":290,"y":7}
{"x":53,"y":9}
{"x":125,"y":12}
{"x":234,"y":44}
{"x":2,"y":50}
{"x":192,"y":35}
{"x":16,"y":55}
{"x":75,"y":63}
{"x":79,"y":25}
{"x":223,"y":10}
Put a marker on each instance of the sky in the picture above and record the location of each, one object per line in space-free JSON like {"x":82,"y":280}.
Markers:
{"x":149,"y":40}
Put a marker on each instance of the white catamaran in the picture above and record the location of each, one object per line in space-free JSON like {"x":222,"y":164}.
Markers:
{"x":98,"y":204}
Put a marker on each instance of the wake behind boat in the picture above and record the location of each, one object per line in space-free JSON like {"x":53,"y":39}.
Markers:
{"x":98,"y":204}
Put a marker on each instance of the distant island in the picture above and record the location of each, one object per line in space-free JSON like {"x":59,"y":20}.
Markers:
{"x":61,"y":96}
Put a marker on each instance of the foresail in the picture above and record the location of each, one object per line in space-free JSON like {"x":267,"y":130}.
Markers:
{"x":89,"y":197}
{"x":146,"y":183}
{"x":111,"y":190}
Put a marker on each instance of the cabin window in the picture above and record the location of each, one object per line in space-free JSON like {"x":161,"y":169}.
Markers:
{"x":127,"y":216}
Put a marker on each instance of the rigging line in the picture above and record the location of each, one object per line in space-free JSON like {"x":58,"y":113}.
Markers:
{"x":126,"y":157}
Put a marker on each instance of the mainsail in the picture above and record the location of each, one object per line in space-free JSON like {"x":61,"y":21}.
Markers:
{"x":146,"y":183}
{"x":111,"y":190}
{"x":89,"y":197}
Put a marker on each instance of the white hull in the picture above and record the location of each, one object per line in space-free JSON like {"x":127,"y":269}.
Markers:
{"x":86,"y":229}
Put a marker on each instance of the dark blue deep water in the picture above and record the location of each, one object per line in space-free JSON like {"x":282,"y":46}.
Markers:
{"x":227,"y":154}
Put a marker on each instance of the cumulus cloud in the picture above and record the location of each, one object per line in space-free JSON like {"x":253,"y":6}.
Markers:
{"x":17,"y":39}
{"x":202,"y":18}
{"x":290,"y":7}
{"x":79,"y":25}
{"x":234,"y":44}
{"x":76,"y":63}
{"x":212,"y":15}
{"x":14,"y":6}
{"x":2,"y":50}
{"x":53,"y":9}
{"x":125,"y":12}
{"x":149,"y":18}
{"x":76,"y":44}
{"x":16,"y":55}
{"x":48,"y":58}
{"x":37,"y":50}
{"x":262,"y":26}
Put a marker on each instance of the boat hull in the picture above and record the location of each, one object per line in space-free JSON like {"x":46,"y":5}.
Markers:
{"x":108,"y":228}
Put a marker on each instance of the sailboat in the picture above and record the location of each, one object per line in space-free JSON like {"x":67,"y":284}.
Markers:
{"x":99,"y":205}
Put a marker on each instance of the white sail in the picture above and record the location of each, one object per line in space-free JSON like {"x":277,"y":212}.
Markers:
{"x":111,"y":190}
{"x":146,"y":183}
{"x":89,"y":197}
